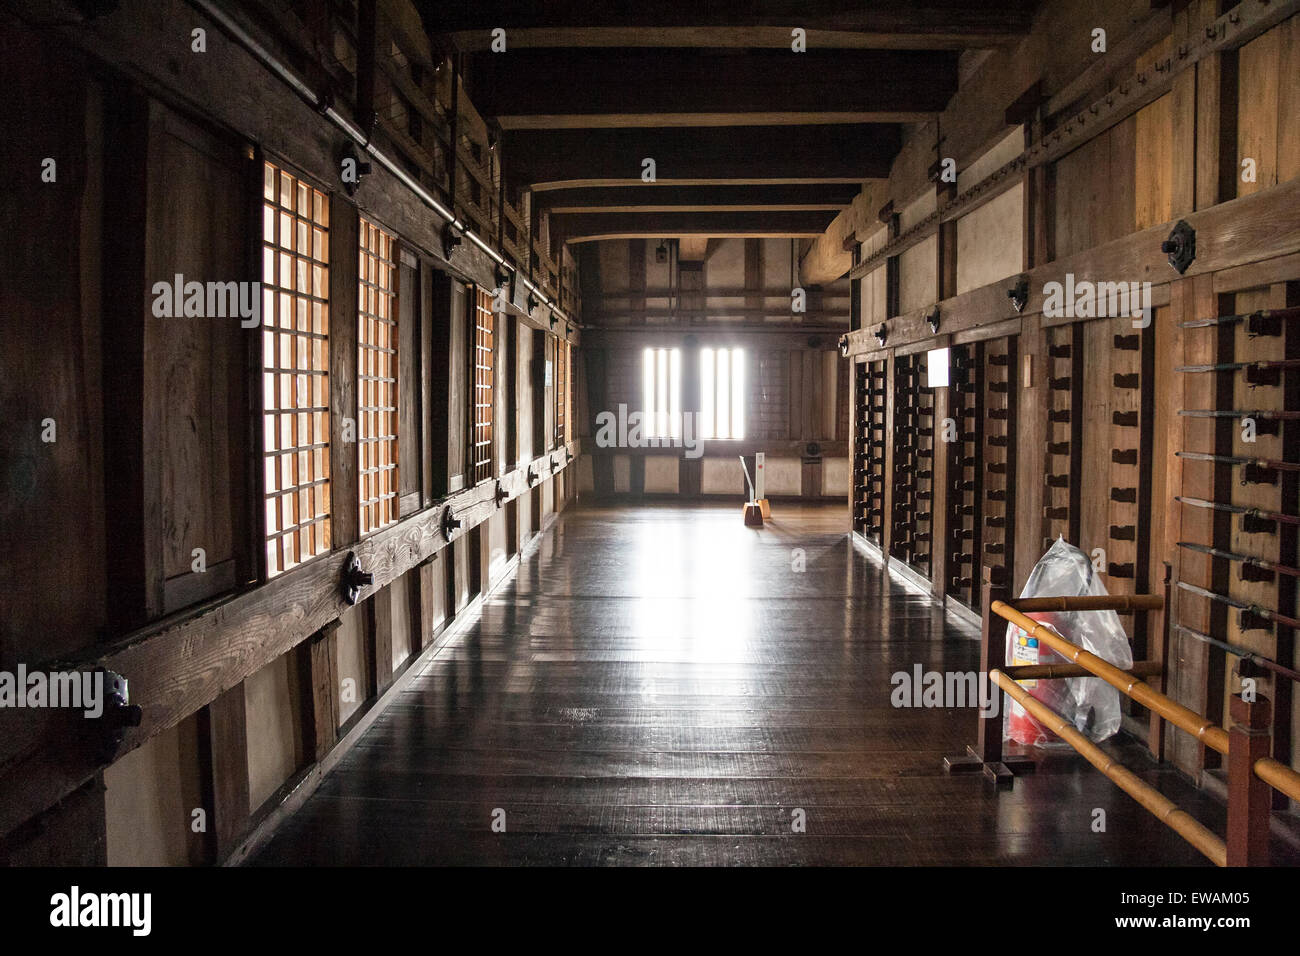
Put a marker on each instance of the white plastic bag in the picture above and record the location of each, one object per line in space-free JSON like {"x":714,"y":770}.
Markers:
{"x":1089,"y":703}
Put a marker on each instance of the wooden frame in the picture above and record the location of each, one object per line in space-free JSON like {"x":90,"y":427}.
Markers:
{"x":482,"y":386}
{"x":377,"y":378}
{"x":295,"y":369}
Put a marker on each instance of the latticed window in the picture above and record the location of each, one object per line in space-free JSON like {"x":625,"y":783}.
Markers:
{"x":561,"y":389}
{"x":722,"y":393}
{"x":377,"y":378}
{"x":295,"y":369}
{"x":482,"y":368}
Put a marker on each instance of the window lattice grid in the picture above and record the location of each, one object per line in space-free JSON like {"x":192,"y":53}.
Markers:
{"x":295,"y":369}
{"x":722,"y":393}
{"x":377,"y":377}
{"x":661,"y":392}
{"x":482,"y":368}
{"x":561,"y":389}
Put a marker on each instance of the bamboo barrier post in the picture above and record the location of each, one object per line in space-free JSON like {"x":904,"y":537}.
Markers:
{"x":1250,"y":799}
{"x":993,"y":652}
{"x":986,"y":755}
{"x":1156,"y":725}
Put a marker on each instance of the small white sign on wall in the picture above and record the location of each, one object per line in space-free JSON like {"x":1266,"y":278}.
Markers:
{"x":548,"y":373}
{"x":936,"y":368}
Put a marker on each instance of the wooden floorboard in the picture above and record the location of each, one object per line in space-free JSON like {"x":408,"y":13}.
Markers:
{"x":657,"y":686}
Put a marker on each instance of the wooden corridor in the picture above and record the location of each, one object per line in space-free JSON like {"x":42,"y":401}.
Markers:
{"x":658,"y":686}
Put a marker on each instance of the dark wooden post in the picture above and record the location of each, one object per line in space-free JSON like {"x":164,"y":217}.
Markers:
{"x":993,"y":653}
{"x":1250,"y":799}
{"x":986,"y":755}
{"x":1159,"y":651}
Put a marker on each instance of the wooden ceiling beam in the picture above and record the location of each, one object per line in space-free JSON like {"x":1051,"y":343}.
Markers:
{"x":595,"y":82}
{"x":718,"y":38}
{"x":588,"y":227}
{"x":663,"y":196}
{"x":744,"y":154}
{"x":670,"y":22}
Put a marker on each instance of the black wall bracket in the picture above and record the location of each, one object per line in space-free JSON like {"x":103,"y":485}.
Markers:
{"x":354,"y":579}
{"x":450,"y":240}
{"x":1019,"y":294}
{"x":450,"y":524}
{"x":1180,"y":246}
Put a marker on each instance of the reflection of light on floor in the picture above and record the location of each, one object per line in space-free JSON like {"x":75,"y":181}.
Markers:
{"x":693,"y":584}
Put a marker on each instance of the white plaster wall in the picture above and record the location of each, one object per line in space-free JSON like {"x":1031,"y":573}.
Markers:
{"x":661,"y":474}
{"x":722,"y":476}
{"x":274,"y":727}
{"x":835,"y":476}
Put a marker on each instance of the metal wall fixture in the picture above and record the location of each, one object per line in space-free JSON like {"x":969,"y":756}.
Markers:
{"x":354,"y":579}
{"x":1019,"y":294}
{"x":450,"y":524}
{"x":1180,"y":246}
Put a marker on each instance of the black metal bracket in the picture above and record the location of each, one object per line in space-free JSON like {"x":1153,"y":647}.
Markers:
{"x":932,"y":319}
{"x":555,"y":464}
{"x":844,"y":345}
{"x":1180,"y":246}
{"x":530,"y":476}
{"x":1253,"y":474}
{"x":363,"y":167}
{"x":118,"y":714}
{"x":450,"y":240}
{"x":354,"y":579}
{"x":450,"y":524}
{"x":1255,"y":524}
{"x":881,"y":333}
{"x":1019,"y":294}
{"x":501,"y":493}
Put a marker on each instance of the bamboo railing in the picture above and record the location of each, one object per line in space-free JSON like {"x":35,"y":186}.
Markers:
{"x":1252,"y":771}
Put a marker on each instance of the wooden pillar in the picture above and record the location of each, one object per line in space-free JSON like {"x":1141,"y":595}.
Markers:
{"x":344,"y":238}
{"x":381,"y":631}
{"x":993,"y":653}
{"x":1250,"y":800}
{"x":320,"y":711}
{"x":224,"y":738}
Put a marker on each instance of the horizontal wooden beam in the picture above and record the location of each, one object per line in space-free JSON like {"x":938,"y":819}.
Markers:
{"x":743,"y":154}
{"x":181,"y":663}
{"x":663,"y":195}
{"x":772,"y":118}
{"x":750,"y":37}
{"x":1264,"y":225}
{"x":525,"y":82}
{"x":588,"y":226}
{"x":718,"y":334}
{"x":664,"y":21}
{"x":730,"y":448}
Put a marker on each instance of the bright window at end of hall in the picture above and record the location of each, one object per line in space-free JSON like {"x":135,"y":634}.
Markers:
{"x":722,"y":393}
{"x":661,"y":391}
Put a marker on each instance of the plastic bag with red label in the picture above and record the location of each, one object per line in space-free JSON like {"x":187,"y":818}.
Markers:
{"x":1089,"y":703}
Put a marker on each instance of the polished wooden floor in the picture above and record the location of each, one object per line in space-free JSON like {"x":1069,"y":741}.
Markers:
{"x":661,"y":685}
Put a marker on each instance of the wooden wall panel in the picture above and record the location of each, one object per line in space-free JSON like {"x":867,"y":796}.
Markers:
{"x":51,"y":492}
{"x":273,"y":723}
{"x":196,"y":369}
